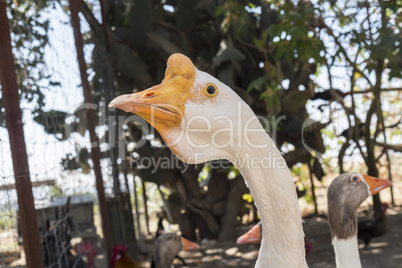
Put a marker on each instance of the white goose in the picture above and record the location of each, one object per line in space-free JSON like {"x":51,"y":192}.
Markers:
{"x":345,"y":195}
{"x":202,"y":119}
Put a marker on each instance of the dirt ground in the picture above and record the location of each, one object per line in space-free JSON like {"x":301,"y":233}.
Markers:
{"x":384,"y":252}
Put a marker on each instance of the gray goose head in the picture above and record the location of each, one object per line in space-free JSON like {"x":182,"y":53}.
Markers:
{"x":167,"y":246}
{"x":345,"y":194}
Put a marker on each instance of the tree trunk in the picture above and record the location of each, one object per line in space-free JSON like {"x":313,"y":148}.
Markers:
{"x":95,"y":150}
{"x":13,"y":114}
{"x":234,"y":204}
{"x":313,"y":190}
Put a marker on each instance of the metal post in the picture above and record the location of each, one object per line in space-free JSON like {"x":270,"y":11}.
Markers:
{"x":9,"y":86}
{"x":95,"y":151}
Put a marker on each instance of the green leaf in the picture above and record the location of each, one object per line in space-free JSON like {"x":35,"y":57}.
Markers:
{"x":248,"y":198}
{"x":257,"y":84}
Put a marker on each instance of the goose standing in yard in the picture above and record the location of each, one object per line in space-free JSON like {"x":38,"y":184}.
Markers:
{"x":167,"y":246}
{"x":201,"y":119}
{"x":160,"y":231}
{"x":345,"y":194}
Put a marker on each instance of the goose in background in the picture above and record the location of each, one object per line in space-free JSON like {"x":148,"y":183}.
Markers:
{"x":254,"y":235}
{"x":345,"y":194}
{"x":201,"y":119}
{"x":160,"y":231}
{"x":167,"y":246}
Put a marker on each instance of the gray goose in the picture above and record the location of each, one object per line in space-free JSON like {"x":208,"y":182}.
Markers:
{"x":167,"y":246}
{"x":345,"y":194}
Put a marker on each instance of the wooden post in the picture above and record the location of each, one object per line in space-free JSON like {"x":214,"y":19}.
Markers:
{"x":111,"y":84}
{"x":313,"y":189}
{"x":10,"y":96}
{"x":95,"y":151}
{"x":145,"y":199}
{"x":137,"y":211}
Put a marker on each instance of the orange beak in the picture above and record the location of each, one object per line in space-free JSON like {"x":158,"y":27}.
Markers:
{"x":252,"y":236}
{"x":188,"y":245}
{"x":152,"y":105}
{"x":376,"y":184}
{"x":162,"y":105}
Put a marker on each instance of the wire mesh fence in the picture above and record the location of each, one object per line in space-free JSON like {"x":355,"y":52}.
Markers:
{"x":59,"y":163}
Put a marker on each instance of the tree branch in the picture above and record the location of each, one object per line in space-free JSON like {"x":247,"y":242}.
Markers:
{"x":342,"y":49}
{"x":370,"y":90}
{"x":395,"y":124}
{"x":95,"y":26}
{"x":394,"y":147}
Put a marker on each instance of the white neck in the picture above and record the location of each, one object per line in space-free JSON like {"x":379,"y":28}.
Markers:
{"x":346,"y":252}
{"x":274,"y":194}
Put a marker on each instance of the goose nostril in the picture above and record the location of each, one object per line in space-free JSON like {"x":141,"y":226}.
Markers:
{"x":148,"y":95}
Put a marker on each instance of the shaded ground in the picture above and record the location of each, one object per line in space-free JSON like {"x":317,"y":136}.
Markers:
{"x":385,"y":251}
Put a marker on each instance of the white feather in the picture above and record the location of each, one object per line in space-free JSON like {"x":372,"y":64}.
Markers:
{"x":346,"y":252}
{"x":225,"y":127}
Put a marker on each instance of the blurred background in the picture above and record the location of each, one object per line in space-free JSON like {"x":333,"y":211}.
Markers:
{"x":325,"y":76}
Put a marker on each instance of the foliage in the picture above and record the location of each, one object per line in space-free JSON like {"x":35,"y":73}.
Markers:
{"x":29,"y":37}
{"x":269,"y":52}
{"x":55,"y":191}
{"x":367,"y":37}
{"x":6,"y":220}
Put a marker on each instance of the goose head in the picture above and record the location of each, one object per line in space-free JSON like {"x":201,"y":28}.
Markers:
{"x":345,"y":195}
{"x":252,"y":236}
{"x":197,"y":115}
{"x":201,"y":119}
{"x":167,"y":246}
